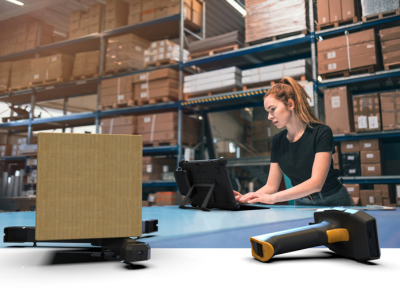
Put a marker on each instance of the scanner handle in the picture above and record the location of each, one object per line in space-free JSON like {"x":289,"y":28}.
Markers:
{"x":263,"y":247}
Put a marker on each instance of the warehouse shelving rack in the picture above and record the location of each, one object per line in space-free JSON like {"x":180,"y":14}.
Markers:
{"x":292,"y":48}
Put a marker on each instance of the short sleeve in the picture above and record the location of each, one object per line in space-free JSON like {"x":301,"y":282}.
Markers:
{"x":274,"y":158}
{"x":324,"y":140}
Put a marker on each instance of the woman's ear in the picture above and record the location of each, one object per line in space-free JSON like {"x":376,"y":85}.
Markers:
{"x":291,"y":104}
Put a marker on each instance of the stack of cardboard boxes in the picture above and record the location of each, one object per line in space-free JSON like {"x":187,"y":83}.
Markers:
{"x":148,"y":10}
{"x":347,"y":53}
{"x":116,"y":14}
{"x":121,"y":125}
{"x":22,"y":33}
{"x":153,"y":167}
{"x":339,"y":111}
{"x":390,"y":42}
{"x":51,"y":68}
{"x":116,"y":91}
{"x":162,"y":129}
{"x":330,"y":11}
{"x":158,"y":84}
{"x":271,"y":18}
{"x":86,"y":65}
{"x":390,"y":108}
{"x":5,"y":68}
{"x":82,"y":23}
{"x":5,"y":150}
{"x":367,"y":113}
{"x":381,"y":194}
{"x":261,"y":136}
{"x":20,"y":74}
{"x":350,"y":154}
{"x":163,"y":51}
{"x":125,"y":52}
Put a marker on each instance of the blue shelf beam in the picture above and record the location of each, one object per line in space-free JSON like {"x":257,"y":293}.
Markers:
{"x":367,"y":135}
{"x":372,"y":179}
{"x":159,"y":183}
{"x":161,"y":150}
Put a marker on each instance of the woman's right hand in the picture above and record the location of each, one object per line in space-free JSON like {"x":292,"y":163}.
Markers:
{"x":237,"y":195}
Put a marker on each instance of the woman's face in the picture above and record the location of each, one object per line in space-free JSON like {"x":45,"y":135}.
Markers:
{"x":278,"y":112}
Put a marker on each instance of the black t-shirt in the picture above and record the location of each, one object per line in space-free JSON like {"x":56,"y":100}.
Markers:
{"x":296,"y":159}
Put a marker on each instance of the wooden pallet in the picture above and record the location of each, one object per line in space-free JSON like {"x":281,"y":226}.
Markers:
{"x":347,"y":73}
{"x":277,"y":37}
{"x":381,"y":15}
{"x":119,"y":71}
{"x":209,"y":94}
{"x":83,"y":77}
{"x":14,"y":89}
{"x":160,"y":63}
{"x":269,"y":83}
{"x":47,"y":82}
{"x":214,"y":51}
{"x":155,"y":100}
{"x":337,"y":23}
{"x":125,"y":103}
{"x":392,"y":66}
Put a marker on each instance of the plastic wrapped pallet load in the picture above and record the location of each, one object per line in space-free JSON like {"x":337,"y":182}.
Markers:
{"x":271,"y":18}
{"x":276,"y":72}
{"x":211,"y":81}
{"x":371,"y":7}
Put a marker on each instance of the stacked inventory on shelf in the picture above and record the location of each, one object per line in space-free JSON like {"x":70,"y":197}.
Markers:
{"x":121,"y":125}
{"x":83,"y":23}
{"x":373,"y":7}
{"x":116,"y":14}
{"x":86,"y":65}
{"x":337,"y":11}
{"x":55,"y":68}
{"x":5,"y":68}
{"x":116,"y":91}
{"x":390,"y":43}
{"x":381,"y":194}
{"x":154,"y":168}
{"x":20,"y":74}
{"x":271,"y":18}
{"x":163,"y":52}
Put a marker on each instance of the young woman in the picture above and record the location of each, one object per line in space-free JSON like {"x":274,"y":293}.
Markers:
{"x":303,"y":152}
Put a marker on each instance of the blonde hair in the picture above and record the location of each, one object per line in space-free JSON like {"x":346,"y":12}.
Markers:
{"x":288,"y":88}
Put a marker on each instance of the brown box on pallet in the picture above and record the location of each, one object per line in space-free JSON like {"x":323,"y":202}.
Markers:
{"x":390,"y":33}
{"x":127,"y":129}
{"x":390,"y":46}
{"x":342,"y":53}
{"x":115,"y":23}
{"x":370,"y":157}
{"x":59,"y":66}
{"x":116,"y":82}
{"x":121,"y":121}
{"x":391,"y":58}
{"x":163,"y":117}
{"x":119,"y":88}
{"x":156,"y":74}
{"x":369,"y":145}
{"x":371,"y":169}
{"x":39,"y":69}
{"x":113,"y":14}
{"x":135,"y":7}
{"x":134,"y":19}
{"x":5,"y":150}
{"x":339,"y":111}
{"x":96,"y":8}
{"x":335,"y":10}
{"x":116,"y":98}
{"x":370,"y":197}
{"x":387,"y":190}
{"x":65,"y":161}
{"x":20,"y":73}
{"x":349,"y":146}
{"x":348,"y":9}
{"x":341,"y":41}
{"x":367,"y":113}
{"x":120,"y":5}
{"x":5,"y":69}
{"x":156,"y":89}
{"x":390,"y":108}
{"x":353,"y":189}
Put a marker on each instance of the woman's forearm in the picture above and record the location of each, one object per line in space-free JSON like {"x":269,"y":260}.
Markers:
{"x":267,"y":190}
{"x":306,"y":188}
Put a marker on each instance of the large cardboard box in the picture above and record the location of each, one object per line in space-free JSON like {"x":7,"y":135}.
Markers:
{"x":348,"y":9}
{"x":369,"y":145}
{"x":371,"y":169}
{"x":390,"y":107}
{"x":388,"y":34}
{"x":156,"y":74}
{"x":367,"y":113}
{"x":341,"y":41}
{"x":338,"y":110}
{"x":349,"y":146}
{"x":5,"y":69}
{"x":88,"y":186}
{"x":387,"y":190}
{"x":153,"y":167}
{"x":353,"y":189}
{"x":335,"y":10}
{"x":370,"y":157}
{"x":5,"y":150}
{"x":370,"y":197}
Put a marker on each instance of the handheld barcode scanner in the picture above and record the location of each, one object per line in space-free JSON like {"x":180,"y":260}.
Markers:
{"x":348,"y":232}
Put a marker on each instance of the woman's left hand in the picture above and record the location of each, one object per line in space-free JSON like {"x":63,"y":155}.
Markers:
{"x":257,"y":197}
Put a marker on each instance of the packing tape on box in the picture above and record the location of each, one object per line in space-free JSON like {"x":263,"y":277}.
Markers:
{"x":348,"y":49}
{"x":153,"y":123}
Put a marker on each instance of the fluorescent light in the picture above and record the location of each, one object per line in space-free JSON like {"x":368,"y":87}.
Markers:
{"x":16,"y":2}
{"x":237,"y":6}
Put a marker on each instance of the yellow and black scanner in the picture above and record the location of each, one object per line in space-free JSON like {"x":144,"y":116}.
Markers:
{"x":348,"y":232}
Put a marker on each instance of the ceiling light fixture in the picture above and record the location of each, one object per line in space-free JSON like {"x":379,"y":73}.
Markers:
{"x":238,"y":7}
{"x":16,"y":2}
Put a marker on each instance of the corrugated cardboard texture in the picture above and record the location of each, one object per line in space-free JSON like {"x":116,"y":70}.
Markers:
{"x":89,"y":186}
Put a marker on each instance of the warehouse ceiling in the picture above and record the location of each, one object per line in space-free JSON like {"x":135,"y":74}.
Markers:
{"x":56,"y":13}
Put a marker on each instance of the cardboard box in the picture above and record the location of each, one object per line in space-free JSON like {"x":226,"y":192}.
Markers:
{"x":341,"y":41}
{"x":370,"y":197}
{"x":152,"y":167}
{"x":388,"y":34}
{"x":351,"y":159}
{"x":339,"y":112}
{"x":367,"y":114}
{"x":134,"y":19}
{"x":387,"y":190}
{"x":156,"y":74}
{"x":353,"y":189}
{"x":371,"y":170}
{"x":368,"y":157}
{"x":390,"y":46}
{"x":5,"y":150}
{"x":127,"y":129}
{"x":96,"y":8}
{"x":369,"y":145}
{"x":335,"y":10}
{"x":391,"y":58}
{"x":78,"y":174}
{"x":348,"y":9}
{"x":349,"y":146}
{"x":119,"y":5}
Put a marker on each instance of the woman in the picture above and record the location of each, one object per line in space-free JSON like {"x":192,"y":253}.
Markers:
{"x":303,"y":152}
